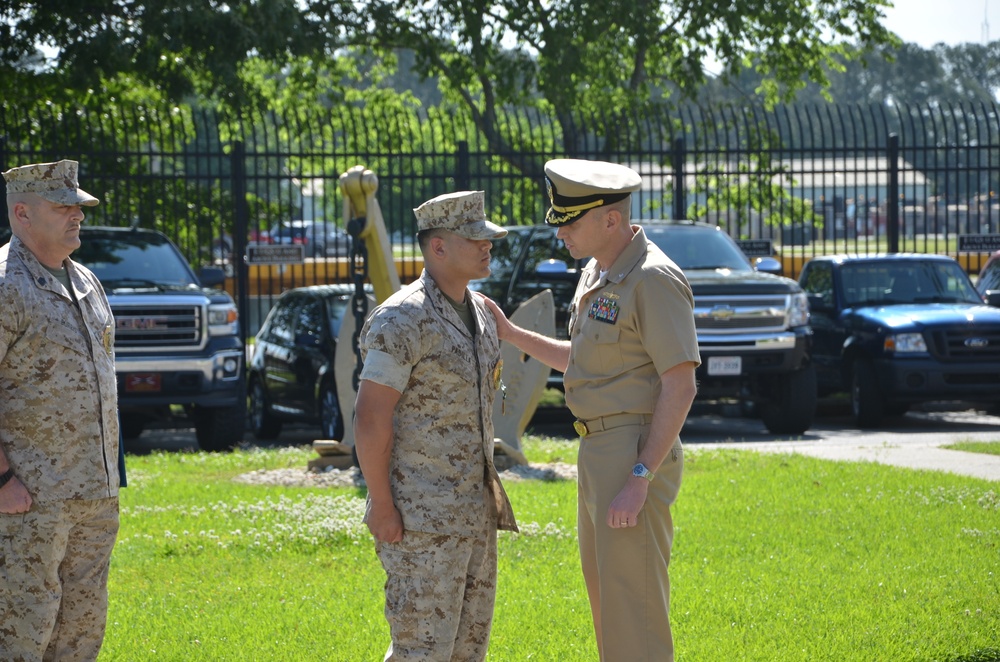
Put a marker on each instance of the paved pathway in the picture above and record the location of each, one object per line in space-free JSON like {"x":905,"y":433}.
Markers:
{"x":913,"y":441}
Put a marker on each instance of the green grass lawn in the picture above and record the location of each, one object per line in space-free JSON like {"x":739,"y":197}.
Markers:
{"x":776,"y":558}
{"x":987,"y":447}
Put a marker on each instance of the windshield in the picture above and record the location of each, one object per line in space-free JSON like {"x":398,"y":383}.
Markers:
{"x":910,"y":281}
{"x":133,"y":260}
{"x":694,"y":247}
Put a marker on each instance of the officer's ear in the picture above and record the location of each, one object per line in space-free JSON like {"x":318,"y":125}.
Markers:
{"x":612,"y":218}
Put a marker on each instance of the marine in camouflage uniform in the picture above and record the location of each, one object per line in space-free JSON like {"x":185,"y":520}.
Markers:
{"x":58,"y":430}
{"x":437,"y":358}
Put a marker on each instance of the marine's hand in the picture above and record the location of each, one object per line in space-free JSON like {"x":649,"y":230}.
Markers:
{"x":385,"y":522}
{"x":624,"y":509}
{"x":503,"y":324}
{"x":14,"y":497}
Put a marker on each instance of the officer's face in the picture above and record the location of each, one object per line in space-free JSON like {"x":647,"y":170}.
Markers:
{"x":583,"y":237}
{"x":51,"y":228}
{"x":470,"y":258}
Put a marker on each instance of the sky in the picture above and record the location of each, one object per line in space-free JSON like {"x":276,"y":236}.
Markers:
{"x":928,"y":22}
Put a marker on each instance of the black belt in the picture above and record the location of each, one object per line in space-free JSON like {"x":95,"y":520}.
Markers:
{"x":602,"y":423}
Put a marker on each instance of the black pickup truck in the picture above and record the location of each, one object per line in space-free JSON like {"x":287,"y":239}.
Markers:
{"x":898,"y":330}
{"x":753,"y":327}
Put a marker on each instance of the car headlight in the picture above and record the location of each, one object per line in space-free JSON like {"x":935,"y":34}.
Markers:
{"x":905,"y":343}
{"x":222,"y":319}
{"x":798,"y":310}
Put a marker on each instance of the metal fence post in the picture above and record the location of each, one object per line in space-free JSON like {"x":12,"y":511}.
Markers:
{"x":241,"y":217}
{"x":892,"y":204}
{"x":678,"y":156}
{"x":463,"y":178}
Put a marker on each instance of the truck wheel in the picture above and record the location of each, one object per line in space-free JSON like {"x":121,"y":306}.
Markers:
{"x":131,"y":425}
{"x":263,"y":424}
{"x":792,"y":406}
{"x":866,"y":401}
{"x":219,"y":428}
{"x":330,"y":418}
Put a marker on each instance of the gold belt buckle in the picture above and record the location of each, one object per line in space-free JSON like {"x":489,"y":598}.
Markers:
{"x":580,"y":427}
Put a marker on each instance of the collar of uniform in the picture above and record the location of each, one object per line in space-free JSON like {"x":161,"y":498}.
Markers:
{"x":42,"y":278}
{"x":628,"y":259}
{"x":440,"y":303}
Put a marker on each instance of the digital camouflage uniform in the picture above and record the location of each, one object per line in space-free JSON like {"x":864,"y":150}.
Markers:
{"x":441,"y":579}
{"x":59,"y":430}
{"x":626,"y":329}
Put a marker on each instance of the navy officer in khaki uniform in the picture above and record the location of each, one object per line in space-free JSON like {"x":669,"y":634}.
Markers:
{"x":424,"y":437}
{"x":59,"y":444}
{"x":630,"y":379}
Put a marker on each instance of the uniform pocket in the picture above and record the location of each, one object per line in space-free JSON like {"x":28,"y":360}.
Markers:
{"x":10,"y":529}
{"x":596,"y":349}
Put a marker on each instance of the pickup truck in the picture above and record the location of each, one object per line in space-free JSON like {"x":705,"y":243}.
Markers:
{"x":177,"y":340}
{"x":898,"y":330}
{"x":753,"y":327}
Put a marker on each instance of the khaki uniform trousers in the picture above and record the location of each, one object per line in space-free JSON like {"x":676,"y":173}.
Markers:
{"x":54,"y":564}
{"x":440,"y":592}
{"x":626,"y":569}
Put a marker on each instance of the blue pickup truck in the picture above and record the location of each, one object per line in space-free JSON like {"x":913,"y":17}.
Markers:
{"x":898,"y":330}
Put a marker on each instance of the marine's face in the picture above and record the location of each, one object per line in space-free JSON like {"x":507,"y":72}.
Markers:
{"x":51,"y":229}
{"x":470,"y":257}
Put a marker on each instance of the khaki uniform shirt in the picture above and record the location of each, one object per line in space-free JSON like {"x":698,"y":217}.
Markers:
{"x":442,"y":455}
{"x":627,"y":329}
{"x":58,"y":393}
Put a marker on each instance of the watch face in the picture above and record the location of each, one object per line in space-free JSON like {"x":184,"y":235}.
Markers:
{"x":639,"y":470}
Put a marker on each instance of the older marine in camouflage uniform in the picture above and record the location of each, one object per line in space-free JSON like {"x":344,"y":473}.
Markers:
{"x":432,"y":350}
{"x":58,"y":426}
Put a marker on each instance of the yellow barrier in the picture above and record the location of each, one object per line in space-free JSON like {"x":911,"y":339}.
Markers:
{"x":273,"y":279}
{"x":791,"y":265}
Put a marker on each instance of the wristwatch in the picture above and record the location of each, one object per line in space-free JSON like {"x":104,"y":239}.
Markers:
{"x":6,"y":476}
{"x":641,"y":471}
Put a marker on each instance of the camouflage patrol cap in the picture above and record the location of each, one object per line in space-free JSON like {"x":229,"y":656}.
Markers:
{"x":575,"y":186}
{"x":463,"y":213}
{"x":56,"y":182}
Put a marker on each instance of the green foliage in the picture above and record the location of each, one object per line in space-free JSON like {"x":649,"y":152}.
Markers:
{"x":755,"y":187}
{"x":566,"y":56}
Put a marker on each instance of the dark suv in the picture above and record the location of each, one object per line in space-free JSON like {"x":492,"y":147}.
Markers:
{"x":177,"y":339}
{"x":753,"y":327}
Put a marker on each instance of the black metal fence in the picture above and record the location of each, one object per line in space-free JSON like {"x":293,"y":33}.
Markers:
{"x":809,"y":179}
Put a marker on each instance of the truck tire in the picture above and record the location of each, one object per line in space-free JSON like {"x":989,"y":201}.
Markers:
{"x":331,"y":419}
{"x":131,"y":425}
{"x":866,"y":400}
{"x":792,"y":407}
{"x":263,"y":424}
{"x":219,"y":428}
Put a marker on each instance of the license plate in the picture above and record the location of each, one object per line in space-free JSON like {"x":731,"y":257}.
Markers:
{"x":725,"y":365}
{"x":142,"y":382}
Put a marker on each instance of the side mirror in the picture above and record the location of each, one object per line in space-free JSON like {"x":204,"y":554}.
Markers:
{"x":212,"y":276}
{"x":816,"y":302}
{"x":993,"y":298}
{"x":768,"y":265}
{"x":550,"y":267}
{"x":555,"y":270}
{"x":310,"y":340}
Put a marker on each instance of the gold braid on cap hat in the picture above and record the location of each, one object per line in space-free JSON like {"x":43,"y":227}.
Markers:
{"x":570,"y":208}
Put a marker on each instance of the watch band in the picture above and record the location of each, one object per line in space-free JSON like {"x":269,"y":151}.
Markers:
{"x":6,"y":476}
{"x":640,"y":470}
